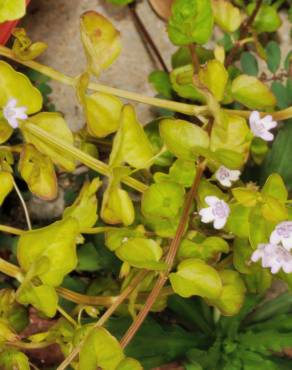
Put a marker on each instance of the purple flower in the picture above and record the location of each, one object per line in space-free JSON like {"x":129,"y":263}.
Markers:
{"x":226,"y":176}
{"x":12,"y":113}
{"x":217,"y":213}
{"x":283,"y":234}
{"x":261,"y":126}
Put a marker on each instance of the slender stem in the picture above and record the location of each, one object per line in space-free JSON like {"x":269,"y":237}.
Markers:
{"x":195,"y":59}
{"x":23,"y":205}
{"x":126,"y":292}
{"x":11,"y":270}
{"x":146,"y":35}
{"x":105,"y":301}
{"x":58,"y":76}
{"x":169,"y":259}
{"x":85,"y":158}
{"x":28,"y":345}
{"x":67,"y":316}
{"x":98,"y":230}
{"x":11,"y":230}
{"x":243,"y":33}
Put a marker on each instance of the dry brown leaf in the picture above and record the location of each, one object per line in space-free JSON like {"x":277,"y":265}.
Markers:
{"x":162,"y":8}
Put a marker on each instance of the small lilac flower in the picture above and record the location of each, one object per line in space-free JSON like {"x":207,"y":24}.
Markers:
{"x":217,"y":213}
{"x":283,"y":234}
{"x":274,"y":257}
{"x":261,"y":126}
{"x":226,"y":176}
{"x":12,"y":113}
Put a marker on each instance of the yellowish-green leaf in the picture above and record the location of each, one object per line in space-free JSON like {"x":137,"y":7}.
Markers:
{"x":252,"y":93}
{"x":226,"y":15}
{"x":273,"y":210}
{"x":55,"y":125}
{"x":24,"y":48}
{"x":117,"y":206}
{"x":131,"y":144}
{"x":56,"y":243}
{"x":141,"y":253}
{"x":232,"y":295}
{"x":6,"y":181}
{"x":275,"y":187}
{"x":101,"y":350}
{"x":5,"y":130}
{"x":43,"y":297}
{"x":103,"y":113}
{"x":38,"y":172}
{"x":183,"y":138}
{"x":13,"y":359}
{"x":11,"y":10}
{"x":129,"y":364}
{"x":15,"y":85}
{"x":195,"y":277}
{"x":245,"y":196}
{"x":6,"y":334}
{"x":101,"y":41}
{"x":215,"y":77}
{"x":84,"y":208}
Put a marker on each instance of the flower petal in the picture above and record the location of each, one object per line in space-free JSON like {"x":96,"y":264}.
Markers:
{"x":254,"y":117}
{"x":206,"y":215}
{"x":219,"y":223}
{"x":275,"y":238}
{"x":211,"y":200}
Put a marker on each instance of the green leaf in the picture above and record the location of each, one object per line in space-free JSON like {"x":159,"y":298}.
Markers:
{"x":191,"y":21}
{"x":88,"y":258}
{"x":13,"y":359}
{"x":15,"y":85}
{"x":232,"y":295}
{"x":288,"y":60}
{"x":6,"y":180}
{"x":183,"y":172}
{"x":43,"y":297}
{"x":182,"y":84}
{"x":100,"y":39}
{"x":117,"y":206}
{"x":182,"y":138}
{"x":54,"y":124}
{"x":38,"y":172}
{"x":267,"y":19}
{"x":252,"y":93}
{"x":163,"y":200}
{"x":210,"y":248}
{"x":227,"y":16}
{"x":195,"y":277}
{"x":141,"y":253}
{"x":237,"y":222}
{"x":161,"y":83}
{"x":84,"y":208}
{"x":274,"y":56}
{"x":56,"y":244}
{"x":275,"y":187}
{"x":103,"y":112}
{"x":282,"y":94}
{"x":11,"y":10}
{"x":114,"y":238}
{"x":278,"y":158}
{"x":248,"y":197}
{"x":249,"y":64}
{"x":131,"y":144}
{"x":100,"y":349}
{"x":215,"y":77}
{"x":259,"y":228}
{"x":129,"y":363}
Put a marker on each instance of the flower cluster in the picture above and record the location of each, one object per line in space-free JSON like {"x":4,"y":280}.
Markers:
{"x":261,"y":126}
{"x":276,"y":254}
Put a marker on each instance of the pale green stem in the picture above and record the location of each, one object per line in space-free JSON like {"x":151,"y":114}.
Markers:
{"x":28,"y":345}
{"x":23,"y":204}
{"x":188,"y":109}
{"x":67,"y":316}
{"x":11,"y":230}
{"x":58,"y":76}
{"x":11,"y":270}
{"x":98,"y":230}
{"x":85,"y":158}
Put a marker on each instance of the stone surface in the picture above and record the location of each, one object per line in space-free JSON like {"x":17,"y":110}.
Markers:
{"x":57,"y":23}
